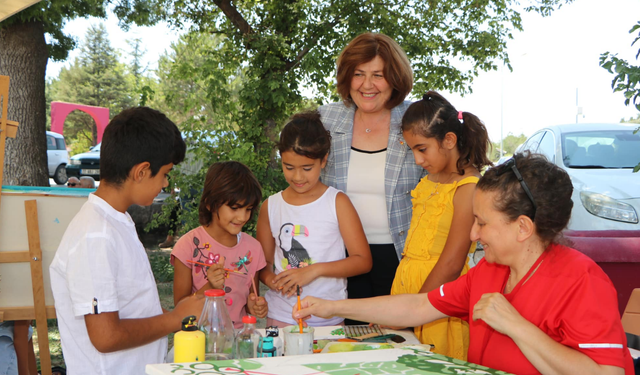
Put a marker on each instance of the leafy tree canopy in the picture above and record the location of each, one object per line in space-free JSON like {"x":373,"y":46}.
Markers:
{"x":54,"y":14}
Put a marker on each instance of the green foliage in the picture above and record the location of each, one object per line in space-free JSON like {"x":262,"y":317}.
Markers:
{"x":509,"y":143}
{"x":627,"y":76}
{"x":161,"y":267}
{"x":53,"y":14}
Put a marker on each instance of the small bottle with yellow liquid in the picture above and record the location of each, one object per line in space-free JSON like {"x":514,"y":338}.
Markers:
{"x":189,"y":342}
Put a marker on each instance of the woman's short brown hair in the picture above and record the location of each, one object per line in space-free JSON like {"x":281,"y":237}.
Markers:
{"x":230,"y":183}
{"x":364,"y":48}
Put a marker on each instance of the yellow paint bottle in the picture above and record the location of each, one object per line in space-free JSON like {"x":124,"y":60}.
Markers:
{"x":189,"y":342}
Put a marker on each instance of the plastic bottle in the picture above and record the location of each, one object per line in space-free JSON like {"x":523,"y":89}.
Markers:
{"x":216,"y":324}
{"x":248,"y":339}
{"x":267,"y":350}
{"x":273,"y":332}
{"x":189,"y":343}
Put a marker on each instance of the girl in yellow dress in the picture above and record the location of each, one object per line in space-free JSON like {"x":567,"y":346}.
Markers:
{"x":452,"y":146}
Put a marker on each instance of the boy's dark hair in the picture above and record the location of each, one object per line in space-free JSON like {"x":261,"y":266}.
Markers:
{"x":550,"y":187}
{"x":230,"y":183}
{"x":434,"y":117}
{"x":137,"y":135}
{"x":305,"y":135}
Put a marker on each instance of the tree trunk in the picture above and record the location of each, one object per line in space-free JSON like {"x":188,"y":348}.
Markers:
{"x":23,"y":57}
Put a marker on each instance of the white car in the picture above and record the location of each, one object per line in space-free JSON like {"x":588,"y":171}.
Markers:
{"x":57,"y":157}
{"x":604,"y":224}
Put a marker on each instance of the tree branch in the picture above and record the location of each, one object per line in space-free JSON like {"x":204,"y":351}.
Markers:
{"x":234,"y":16}
{"x":310,"y":44}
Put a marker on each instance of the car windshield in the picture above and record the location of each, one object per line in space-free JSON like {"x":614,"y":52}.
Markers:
{"x":601,"y":149}
{"x":96,"y":148}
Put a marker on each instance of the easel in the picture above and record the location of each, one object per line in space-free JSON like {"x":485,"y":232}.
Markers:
{"x":38,"y":311}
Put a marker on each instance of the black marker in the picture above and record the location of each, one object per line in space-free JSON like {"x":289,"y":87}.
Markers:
{"x":95,"y":305}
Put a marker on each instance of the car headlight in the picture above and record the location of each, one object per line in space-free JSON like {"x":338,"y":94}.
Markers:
{"x":608,"y":208}
{"x":74,"y":162}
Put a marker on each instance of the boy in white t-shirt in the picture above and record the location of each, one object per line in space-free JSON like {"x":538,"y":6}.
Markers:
{"x":106,"y":300}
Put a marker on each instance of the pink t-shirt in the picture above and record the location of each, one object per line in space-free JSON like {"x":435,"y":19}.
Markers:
{"x":247,"y":257}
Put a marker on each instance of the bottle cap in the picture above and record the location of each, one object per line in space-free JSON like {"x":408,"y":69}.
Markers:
{"x":214,"y":293}
{"x":272,"y":331}
{"x":189,"y":323}
{"x":249,"y":319}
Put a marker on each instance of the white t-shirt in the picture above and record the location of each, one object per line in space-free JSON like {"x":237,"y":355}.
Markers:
{"x":305,"y":235}
{"x":100,"y":258}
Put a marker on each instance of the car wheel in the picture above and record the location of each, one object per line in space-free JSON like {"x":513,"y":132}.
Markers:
{"x":60,"y":176}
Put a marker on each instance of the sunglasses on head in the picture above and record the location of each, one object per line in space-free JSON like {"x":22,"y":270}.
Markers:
{"x":511,"y":165}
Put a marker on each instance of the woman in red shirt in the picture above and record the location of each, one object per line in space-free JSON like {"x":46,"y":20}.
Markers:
{"x":533,"y":306}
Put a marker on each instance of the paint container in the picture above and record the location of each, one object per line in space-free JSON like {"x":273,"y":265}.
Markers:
{"x":296,"y":343}
{"x":189,"y":342}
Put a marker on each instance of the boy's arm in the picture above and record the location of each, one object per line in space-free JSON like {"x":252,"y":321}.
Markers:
{"x":108,"y":333}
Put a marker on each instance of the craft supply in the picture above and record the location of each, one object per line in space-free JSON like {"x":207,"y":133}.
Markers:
{"x":360,"y":330}
{"x":299,"y":308}
{"x":216,"y":324}
{"x":267,"y":349}
{"x":296,"y":342}
{"x":209,"y":265}
{"x":274,"y":333}
{"x":189,"y":342}
{"x":248,"y":339}
{"x":255,"y":291}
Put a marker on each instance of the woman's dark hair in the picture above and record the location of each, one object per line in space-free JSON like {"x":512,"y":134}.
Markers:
{"x":364,"y":48}
{"x":434,"y":117}
{"x":230,"y":183}
{"x":305,"y":135}
{"x":550,"y":188}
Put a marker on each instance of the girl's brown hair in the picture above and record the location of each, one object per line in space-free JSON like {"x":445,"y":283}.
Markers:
{"x":305,"y":135}
{"x":231,"y":183}
{"x":434,"y":117}
{"x":364,"y":48}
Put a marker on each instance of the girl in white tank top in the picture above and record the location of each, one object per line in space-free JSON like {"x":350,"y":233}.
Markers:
{"x":304,"y":229}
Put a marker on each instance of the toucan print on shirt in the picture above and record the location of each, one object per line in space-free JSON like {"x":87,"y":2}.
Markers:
{"x":294,"y":253}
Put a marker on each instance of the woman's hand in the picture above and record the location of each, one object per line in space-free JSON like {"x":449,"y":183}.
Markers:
{"x":257,"y":306}
{"x":216,"y":274}
{"x":286,"y":281}
{"x":313,"y":306}
{"x":498,"y":313}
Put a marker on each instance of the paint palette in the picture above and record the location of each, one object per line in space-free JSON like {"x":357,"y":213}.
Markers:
{"x":362,"y":330}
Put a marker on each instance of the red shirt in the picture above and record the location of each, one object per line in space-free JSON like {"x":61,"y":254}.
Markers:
{"x":569,"y":298}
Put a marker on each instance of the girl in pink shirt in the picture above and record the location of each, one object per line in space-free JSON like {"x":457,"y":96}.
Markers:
{"x":218,"y":255}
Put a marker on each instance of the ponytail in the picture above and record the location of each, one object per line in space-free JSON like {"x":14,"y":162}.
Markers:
{"x":473,"y":143}
{"x":434,"y":117}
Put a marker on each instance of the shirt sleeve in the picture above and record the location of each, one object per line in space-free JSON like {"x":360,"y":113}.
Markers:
{"x":183,"y":251}
{"x":91,"y":276}
{"x":452,"y":298}
{"x":592,"y":324}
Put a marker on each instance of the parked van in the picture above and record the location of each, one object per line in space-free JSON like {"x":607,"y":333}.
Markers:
{"x":57,"y":157}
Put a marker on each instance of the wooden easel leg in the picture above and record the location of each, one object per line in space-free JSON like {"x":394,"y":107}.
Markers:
{"x":35,"y":252}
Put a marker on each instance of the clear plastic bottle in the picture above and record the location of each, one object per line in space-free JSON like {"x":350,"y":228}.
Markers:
{"x":248,"y":339}
{"x":216,"y":324}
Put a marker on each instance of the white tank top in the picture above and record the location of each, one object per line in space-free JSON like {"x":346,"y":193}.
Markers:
{"x":305,"y":235}
{"x":365,"y":188}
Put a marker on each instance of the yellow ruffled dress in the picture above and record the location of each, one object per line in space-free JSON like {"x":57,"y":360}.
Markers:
{"x":430,"y":225}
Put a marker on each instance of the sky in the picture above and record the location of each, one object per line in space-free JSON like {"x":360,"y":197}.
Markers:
{"x":554,"y":60}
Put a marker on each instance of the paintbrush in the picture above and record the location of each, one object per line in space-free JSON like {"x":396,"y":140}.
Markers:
{"x":299,"y":307}
{"x":208,"y":265}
